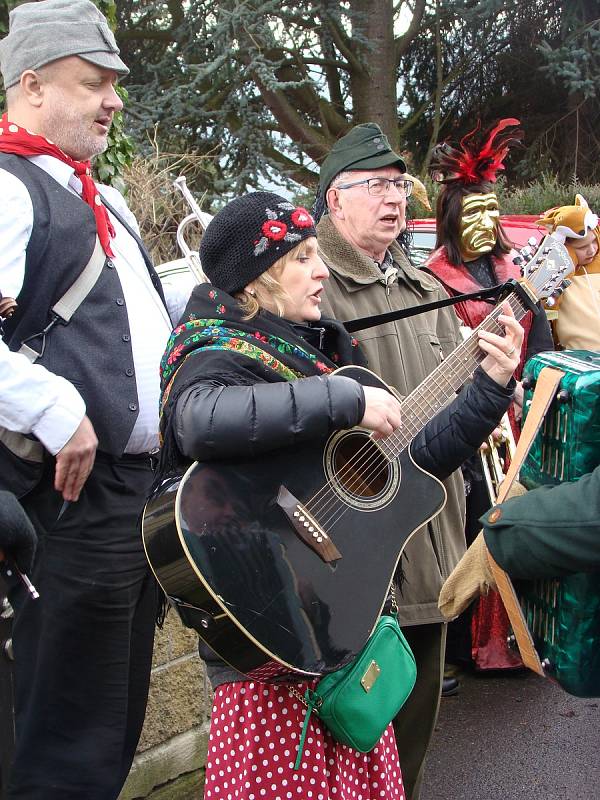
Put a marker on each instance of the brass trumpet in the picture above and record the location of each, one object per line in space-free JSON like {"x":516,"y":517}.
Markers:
{"x":492,"y":462}
{"x":202,"y":219}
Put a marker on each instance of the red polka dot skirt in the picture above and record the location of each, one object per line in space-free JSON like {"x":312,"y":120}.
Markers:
{"x":254,"y":736}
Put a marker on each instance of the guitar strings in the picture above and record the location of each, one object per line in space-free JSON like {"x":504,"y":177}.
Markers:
{"x":326,"y":499}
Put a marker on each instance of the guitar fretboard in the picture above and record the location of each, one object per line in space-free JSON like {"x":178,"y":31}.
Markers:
{"x":424,"y":402}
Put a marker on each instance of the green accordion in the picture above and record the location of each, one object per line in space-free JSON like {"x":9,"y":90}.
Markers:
{"x":568,"y":444}
{"x":563,"y":615}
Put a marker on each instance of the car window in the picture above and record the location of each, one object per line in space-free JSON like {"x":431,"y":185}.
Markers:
{"x":422,"y":244}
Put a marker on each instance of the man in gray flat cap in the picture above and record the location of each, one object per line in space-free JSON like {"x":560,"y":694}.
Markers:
{"x":83,"y":650}
{"x":364,"y":188}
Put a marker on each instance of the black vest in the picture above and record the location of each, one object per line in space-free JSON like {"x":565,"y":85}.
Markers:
{"x":94,"y":350}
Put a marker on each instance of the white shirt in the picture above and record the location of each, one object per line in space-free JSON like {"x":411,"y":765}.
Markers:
{"x":33,"y":400}
{"x":149,"y":322}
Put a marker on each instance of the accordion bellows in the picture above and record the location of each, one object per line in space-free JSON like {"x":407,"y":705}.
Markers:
{"x":563,"y":615}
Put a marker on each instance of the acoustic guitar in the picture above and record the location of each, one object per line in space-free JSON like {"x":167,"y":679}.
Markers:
{"x":284,"y":562}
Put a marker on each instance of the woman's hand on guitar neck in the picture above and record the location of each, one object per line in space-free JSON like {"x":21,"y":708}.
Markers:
{"x":382,"y":412}
{"x":503,"y":352}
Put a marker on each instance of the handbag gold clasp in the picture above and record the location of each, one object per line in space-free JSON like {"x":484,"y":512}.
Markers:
{"x":368,"y":679}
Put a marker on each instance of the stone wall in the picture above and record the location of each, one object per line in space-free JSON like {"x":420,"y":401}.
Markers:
{"x":175,"y":735}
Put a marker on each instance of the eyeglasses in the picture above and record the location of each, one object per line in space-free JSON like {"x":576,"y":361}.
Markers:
{"x":377,"y":187}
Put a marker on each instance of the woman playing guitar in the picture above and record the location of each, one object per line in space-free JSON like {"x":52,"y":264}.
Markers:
{"x":251,"y":369}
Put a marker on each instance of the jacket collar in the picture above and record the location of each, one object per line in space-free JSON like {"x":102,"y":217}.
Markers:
{"x":356,"y":270}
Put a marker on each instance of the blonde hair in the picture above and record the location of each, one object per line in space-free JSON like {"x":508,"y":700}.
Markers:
{"x":269,"y":286}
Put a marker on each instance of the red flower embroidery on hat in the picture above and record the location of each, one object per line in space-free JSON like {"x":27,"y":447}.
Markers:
{"x":274,"y":229}
{"x":301,"y":218}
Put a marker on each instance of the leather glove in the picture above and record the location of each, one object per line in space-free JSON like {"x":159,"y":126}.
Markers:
{"x":17,"y":536}
{"x":471,"y":577}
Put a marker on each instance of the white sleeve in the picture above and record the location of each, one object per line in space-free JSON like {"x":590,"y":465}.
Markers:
{"x":177,"y":293}
{"x":34,"y":400}
{"x":16,"y":222}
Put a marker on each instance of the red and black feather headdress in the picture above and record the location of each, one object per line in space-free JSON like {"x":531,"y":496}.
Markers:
{"x":470,"y":162}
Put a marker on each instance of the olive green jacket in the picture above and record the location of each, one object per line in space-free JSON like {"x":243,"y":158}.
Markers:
{"x":549,"y":532}
{"x":403,"y":354}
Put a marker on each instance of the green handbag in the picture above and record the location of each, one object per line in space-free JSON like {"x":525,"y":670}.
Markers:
{"x":358,"y":702}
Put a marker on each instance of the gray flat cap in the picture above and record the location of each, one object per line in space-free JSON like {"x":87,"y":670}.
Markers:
{"x":39,"y":33}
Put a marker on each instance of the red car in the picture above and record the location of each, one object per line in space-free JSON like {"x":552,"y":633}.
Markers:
{"x":519,"y":228}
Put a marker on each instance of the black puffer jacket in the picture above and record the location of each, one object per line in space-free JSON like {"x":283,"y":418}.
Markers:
{"x":220,"y":420}
{"x":232,"y":396}
{"x":246,"y":417}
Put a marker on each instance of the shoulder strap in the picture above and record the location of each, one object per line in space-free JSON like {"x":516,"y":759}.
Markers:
{"x":545,"y":390}
{"x":63,"y":309}
{"x":391,"y":316}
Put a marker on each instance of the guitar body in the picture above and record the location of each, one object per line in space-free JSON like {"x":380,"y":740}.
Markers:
{"x":284,"y":561}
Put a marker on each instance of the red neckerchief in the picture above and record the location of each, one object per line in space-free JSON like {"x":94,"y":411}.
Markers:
{"x":19,"y":142}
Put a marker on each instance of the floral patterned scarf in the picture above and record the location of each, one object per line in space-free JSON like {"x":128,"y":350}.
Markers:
{"x":214,"y":342}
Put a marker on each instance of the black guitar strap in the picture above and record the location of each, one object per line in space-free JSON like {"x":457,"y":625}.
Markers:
{"x":491,"y":295}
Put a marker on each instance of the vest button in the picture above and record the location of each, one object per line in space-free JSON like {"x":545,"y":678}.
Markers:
{"x":129,"y":372}
{"x":133,"y":406}
{"x":126,"y":337}
{"x":109,"y":264}
{"x":119,"y":301}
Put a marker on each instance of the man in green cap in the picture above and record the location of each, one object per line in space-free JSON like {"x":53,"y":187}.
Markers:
{"x":364,"y":188}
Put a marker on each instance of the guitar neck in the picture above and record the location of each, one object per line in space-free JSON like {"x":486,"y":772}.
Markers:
{"x":430,"y":396}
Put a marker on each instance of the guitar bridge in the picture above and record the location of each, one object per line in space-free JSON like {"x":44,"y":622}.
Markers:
{"x":306,"y":527}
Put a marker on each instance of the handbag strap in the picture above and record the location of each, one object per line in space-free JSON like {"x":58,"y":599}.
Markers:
{"x":545,"y":391}
{"x":311,"y":701}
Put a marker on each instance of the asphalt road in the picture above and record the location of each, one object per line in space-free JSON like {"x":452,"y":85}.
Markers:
{"x":514,"y":737}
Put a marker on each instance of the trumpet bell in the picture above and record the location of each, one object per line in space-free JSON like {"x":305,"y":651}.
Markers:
{"x":197,"y":217}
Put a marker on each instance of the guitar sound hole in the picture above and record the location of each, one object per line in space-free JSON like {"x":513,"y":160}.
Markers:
{"x":360,"y":468}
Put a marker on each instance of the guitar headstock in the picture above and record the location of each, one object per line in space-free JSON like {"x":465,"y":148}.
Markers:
{"x":545,"y":273}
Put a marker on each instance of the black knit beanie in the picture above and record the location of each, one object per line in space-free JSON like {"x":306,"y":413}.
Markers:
{"x":248,"y":236}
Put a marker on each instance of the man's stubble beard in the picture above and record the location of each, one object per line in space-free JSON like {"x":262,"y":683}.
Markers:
{"x":65,"y":129}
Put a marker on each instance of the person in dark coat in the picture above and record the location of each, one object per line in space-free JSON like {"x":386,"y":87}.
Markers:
{"x":549,"y":532}
{"x":250,"y":370}
{"x":83,"y":649}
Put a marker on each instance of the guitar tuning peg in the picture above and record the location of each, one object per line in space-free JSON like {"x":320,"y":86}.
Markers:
{"x":518,"y":260}
{"x":550,"y":302}
{"x":532,"y":241}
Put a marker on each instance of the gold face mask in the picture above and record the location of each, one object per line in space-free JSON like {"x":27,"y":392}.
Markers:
{"x":478,"y":225}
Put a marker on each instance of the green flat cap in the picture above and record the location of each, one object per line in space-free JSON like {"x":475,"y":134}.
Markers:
{"x":364,"y":147}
